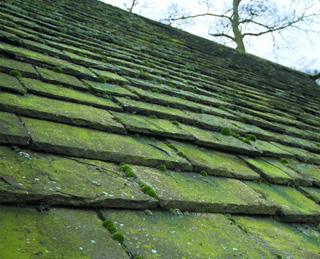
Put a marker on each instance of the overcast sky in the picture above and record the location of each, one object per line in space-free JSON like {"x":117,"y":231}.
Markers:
{"x":300,"y":52}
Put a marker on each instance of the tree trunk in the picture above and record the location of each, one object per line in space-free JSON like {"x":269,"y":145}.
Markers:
{"x":235,"y":27}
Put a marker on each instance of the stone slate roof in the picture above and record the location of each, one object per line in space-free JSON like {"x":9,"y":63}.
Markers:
{"x":115,"y":126}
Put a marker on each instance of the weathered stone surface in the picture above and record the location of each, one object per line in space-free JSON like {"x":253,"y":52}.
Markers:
{"x":36,"y":46}
{"x":11,"y":83}
{"x":61,"y":79}
{"x":11,"y":130}
{"x":293,"y":205}
{"x":271,"y":150}
{"x":197,"y":235}
{"x":193,"y":192}
{"x":111,"y":89}
{"x":308,"y":171}
{"x":62,"y":233}
{"x":82,"y":142}
{"x":143,"y":124}
{"x":216,"y":163}
{"x":218,"y":141}
{"x":312,"y":193}
{"x":36,"y":57}
{"x":60,"y":111}
{"x":110,"y":77}
{"x":63,"y":93}
{"x":273,"y":173}
{"x":154,"y":109}
{"x":287,"y":240}
{"x":6,"y":65}
{"x":30,"y":177}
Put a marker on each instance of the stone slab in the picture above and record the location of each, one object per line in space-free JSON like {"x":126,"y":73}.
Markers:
{"x":221,"y":142}
{"x":154,"y":109}
{"x":310,"y":172}
{"x":272,"y":173}
{"x":11,"y":130}
{"x":312,"y":193}
{"x":60,"y":111}
{"x":293,"y":205}
{"x":6,"y":65}
{"x":271,"y":150}
{"x":215,"y":162}
{"x":112,"y":89}
{"x":197,"y":235}
{"x":110,"y":77}
{"x":61,"y":79}
{"x":81,"y":142}
{"x":10,"y":83}
{"x":60,"y":233}
{"x":58,"y":92}
{"x":39,"y":58}
{"x":33,"y":177}
{"x":287,"y":240}
{"x":146,"y":125}
{"x":193,"y":192}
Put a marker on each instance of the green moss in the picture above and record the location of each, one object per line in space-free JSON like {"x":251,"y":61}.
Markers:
{"x":279,"y":256}
{"x":247,"y":141}
{"x":137,"y":257}
{"x":318,"y":228}
{"x":137,"y":135}
{"x":148,"y":212}
{"x":153,"y":139}
{"x":311,"y":197}
{"x":127,"y":169}
{"x":162,"y":167}
{"x":134,"y":92}
{"x":251,"y":137}
{"x":284,"y":161}
{"x":155,"y":90}
{"x":243,"y":229}
{"x":222,"y":108}
{"x":149,"y":191}
{"x":175,"y":212}
{"x":118,"y":236}
{"x":204,"y":173}
{"x":180,"y":153}
{"x":175,"y":123}
{"x":153,"y":116}
{"x":102,"y":79}
{"x":108,"y":224}
{"x":123,"y":83}
{"x":15,"y":73}
{"x":231,"y":219}
{"x":226,"y":131}
{"x":57,"y":69}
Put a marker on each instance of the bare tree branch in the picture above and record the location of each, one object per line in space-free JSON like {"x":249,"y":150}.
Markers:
{"x":198,"y":15}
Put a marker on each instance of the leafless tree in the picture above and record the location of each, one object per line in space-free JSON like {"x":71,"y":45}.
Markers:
{"x":242,"y":19}
{"x":133,"y":4}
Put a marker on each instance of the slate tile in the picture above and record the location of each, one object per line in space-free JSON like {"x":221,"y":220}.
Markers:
{"x":11,"y":83}
{"x":60,"y":111}
{"x":81,"y":142}
{"x":197,"y":235}
{"x":6,"y":65}
{"x":62,"y":93}
{"x":60,"y":233}
{"x":293,"y":205}
{"x":11,"y":130}
{"x":33,"y":177}
{"x":308,"y":171}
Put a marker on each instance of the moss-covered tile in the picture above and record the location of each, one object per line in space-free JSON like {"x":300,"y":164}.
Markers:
{"x":63,"y":93}
{"x":110,"y":77}
{"x":218,"y":141}
{"x":153,"y":126}
{"x":11,"y":83}
{"x":30,"y":177}
{"x":271,"y":172}
{"x":194,"y":192}
{"x":32,"y":56}
{"x":308,"y":171}
{"x":6,"y":65}
{"x":112,"y":89}
{"x":216,"y":163}
{"x":60,"y":233}
{"x":197,"y":235}
{"x":312,"y":193}
{"x":60,"y":111}
{"x":285,"y":240}
{"x":61,"y":79}
{"x":11,"y":130}
{"x":293,"y":205}
{"x":82,"y":142}
{"x":43,"y":48}
{"x":271,"y":150}
{"x":154,"y":109}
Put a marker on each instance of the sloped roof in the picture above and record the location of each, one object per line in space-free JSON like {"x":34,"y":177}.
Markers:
{"x":111,"y":122}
